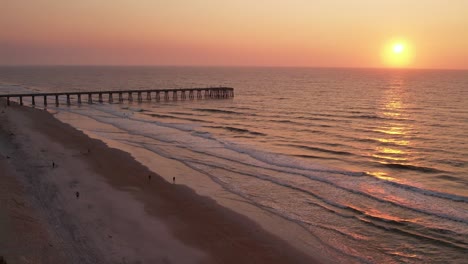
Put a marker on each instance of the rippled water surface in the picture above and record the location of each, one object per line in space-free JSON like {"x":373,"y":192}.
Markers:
{"x":371,"y":162}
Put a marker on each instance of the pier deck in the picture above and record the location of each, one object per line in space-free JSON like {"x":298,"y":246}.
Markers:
{"x":159,"y":94}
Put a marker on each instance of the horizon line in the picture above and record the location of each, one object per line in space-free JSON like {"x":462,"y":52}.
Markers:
{"x":227,"y":66}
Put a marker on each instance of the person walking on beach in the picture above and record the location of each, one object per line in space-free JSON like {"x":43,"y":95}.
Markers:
{"x":173,"y":180}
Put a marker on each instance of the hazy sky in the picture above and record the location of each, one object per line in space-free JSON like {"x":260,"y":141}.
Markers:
{"x":327,"y":33}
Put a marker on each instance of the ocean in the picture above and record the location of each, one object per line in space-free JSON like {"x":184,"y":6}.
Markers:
{"x":372,"y":163}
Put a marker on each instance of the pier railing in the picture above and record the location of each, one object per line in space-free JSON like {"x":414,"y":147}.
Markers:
{"x":122,"y":95}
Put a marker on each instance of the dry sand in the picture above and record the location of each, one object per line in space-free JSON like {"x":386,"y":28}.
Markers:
{"x":120,"y":216}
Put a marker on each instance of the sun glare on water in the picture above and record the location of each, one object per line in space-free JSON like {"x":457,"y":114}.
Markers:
{"x":397,"y":54}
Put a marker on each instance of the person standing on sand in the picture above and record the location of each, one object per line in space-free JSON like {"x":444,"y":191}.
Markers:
{"x":173,"y":180}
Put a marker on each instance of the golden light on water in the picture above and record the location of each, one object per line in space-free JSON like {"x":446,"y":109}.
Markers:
{"x":393,"y":131}
{"x":386,"y":154}
{"x":391,"y":150}
{"x":388,"y":158}
{"x":393,"y":141}
{"x":381,"y":175}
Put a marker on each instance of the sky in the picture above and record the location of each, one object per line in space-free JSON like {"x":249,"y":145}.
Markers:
{"x":304,"y":33}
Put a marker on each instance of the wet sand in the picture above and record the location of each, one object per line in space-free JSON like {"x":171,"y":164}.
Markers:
{"x":120,"y":215}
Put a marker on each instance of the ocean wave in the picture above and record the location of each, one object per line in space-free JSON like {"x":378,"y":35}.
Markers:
{"x":262,"y":157}
{"x":452,"y":197}
{"x":285,"y":121}
{"x":336,"y":152}
{"x":368,"y":117}
{"x":452,"y":162}
{"x":296,"y":166}
{"x":282,"y":166}
{"x":219,"y":111}
{"x":437,"y":235}
{"x":179,"y":118}
{"x":313,"y":157}
{"x":238,"y":130}
{"x":452,"y":178}
{"x":443,"y":215}
{"x":283,"y":161}
{"x":410,"y":167}
{"x":420,"y":232}
{"x":275,"y":211}
{"x":308,"y":118}
{"x":181,"y":113}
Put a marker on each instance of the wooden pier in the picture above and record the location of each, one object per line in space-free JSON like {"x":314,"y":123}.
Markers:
{"x":122,"y":95}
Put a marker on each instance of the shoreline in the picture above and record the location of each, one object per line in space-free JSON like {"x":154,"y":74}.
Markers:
{"x":115,"y":211}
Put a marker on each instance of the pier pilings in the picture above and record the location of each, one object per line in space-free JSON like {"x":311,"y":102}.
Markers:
{"x":174,"y":94}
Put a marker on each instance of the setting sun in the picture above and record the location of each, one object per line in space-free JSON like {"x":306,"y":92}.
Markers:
{"x":398,"y":48}
{"x":397,"y":54}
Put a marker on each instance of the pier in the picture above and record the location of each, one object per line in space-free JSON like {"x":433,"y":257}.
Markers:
{"x":126,"y":95}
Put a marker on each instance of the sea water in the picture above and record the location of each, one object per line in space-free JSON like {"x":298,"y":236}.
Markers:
{"x":371,"y":162}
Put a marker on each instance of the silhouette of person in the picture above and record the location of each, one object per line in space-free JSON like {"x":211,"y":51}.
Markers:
{"x":173,"y":179}
{"x":149,"y":177}
{"x":77,"y":195}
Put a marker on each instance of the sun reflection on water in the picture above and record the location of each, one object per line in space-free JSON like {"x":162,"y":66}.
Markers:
{"x":393,"y":141}
{"x":394,"y":131}
{"x":389,"y":157}
{"x":381,"y":175}
{"x":391,"y":130}
{"x":390,"y":150}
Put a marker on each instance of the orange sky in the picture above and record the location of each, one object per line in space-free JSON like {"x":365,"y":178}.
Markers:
{"x":321,"y":33}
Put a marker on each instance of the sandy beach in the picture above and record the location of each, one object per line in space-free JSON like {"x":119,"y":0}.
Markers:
{"x":66,"y":198}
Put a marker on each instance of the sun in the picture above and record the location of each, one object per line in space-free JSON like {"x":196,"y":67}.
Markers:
{"x":398,"y":48}
{"x":397,"y":54}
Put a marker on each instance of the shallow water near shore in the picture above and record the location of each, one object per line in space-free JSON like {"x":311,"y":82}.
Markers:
{"x":373,"y":163}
